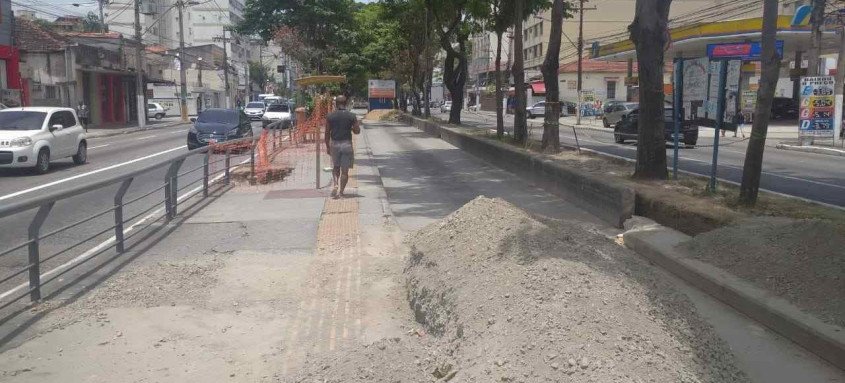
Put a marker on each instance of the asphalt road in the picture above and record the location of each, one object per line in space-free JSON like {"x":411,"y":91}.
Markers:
{"x":816,"y":177}
{"x":107,"y":156}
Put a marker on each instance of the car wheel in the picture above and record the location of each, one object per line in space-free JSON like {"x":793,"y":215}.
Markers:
{"x":617,"y":136}
{"x":81,"y":155}
{"x":42,"y":164}
{"x":159,"y":116}
{"x":604,"y":121}
{"x":690,"y":143}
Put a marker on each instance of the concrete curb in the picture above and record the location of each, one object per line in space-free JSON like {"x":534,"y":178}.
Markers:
{"x":812,"y":149}
{"x":611,"y":201}
{"x":658,"y":244}
{"x":102,"y":133}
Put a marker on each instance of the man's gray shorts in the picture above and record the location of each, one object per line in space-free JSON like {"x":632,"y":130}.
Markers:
{"x":342,"y":154}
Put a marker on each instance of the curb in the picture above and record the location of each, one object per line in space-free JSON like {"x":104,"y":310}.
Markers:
{"x":658,"y":244}
{"x":812,"y":149}
{"x":92,"y":132}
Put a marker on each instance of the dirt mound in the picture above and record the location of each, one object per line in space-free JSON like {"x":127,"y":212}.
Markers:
{"x":799,"y":260}
{"x":382,"y":115}
{"x":510,"y":297}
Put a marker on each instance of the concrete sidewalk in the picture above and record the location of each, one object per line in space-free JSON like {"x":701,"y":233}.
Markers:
{"x":243,"y":290}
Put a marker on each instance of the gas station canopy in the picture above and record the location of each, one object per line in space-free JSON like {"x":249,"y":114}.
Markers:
{"x":691,"y":41}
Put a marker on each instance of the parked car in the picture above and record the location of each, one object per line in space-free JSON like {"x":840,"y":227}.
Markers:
{"x":446,"y":107}
{"x":218,"y":125}
{"x":155,"y":110}
{"x":571,"y":107}
{"x":30,"y":137}
{"x":614,"y":113}
{"x":474,"y":107}
{"x":254,"y":110}
{"x":360,"y":104}
{"x":278,"y":114}
{"x":539,"y":109}
{"x":627,"y":128}
{"x":609,"y":104}
{"x":784,"y":108}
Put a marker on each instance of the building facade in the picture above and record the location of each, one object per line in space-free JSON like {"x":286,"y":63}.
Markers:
{"x":10,"y":79}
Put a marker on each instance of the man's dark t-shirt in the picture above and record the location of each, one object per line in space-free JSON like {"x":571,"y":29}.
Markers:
{"x":340,"y":122}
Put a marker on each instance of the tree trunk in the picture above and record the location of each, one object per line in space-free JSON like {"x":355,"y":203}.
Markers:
{"x":762,"y":112}
{"x":403,"y":101}
{"x":650,"y":36}
{"x":551,"y":127}
{"x":415,"y":109}
{"x":816,"y":21}
{"x":500,"y":113}
{"x":840,"y":79}
{"x":520,"y":125}
{"x":455,"y":71}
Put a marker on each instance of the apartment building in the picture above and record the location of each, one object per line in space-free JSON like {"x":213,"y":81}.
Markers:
{"x":204,"y":23}
{"x":482,"y":63}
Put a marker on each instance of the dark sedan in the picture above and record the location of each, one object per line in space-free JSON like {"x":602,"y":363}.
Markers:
{"x":627,"y":128}
{"x":218,"y":125}
{"x":784,"y":108}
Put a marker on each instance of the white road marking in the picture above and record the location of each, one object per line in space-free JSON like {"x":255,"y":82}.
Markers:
{"x":98,"y":146}
{"x":108,"y":242}
{"x":54,"y":183}
{"x":147,"y":137}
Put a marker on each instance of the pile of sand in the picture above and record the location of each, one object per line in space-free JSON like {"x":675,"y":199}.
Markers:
{"x":802,"y":261}
{"x":382,"y":115}
{"x":504,"y":296}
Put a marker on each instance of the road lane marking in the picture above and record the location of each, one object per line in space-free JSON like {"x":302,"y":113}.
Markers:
{"x":54,"y":183}
{"x":111,"y":240}
{"x":98,"y":146}
{"x":147,"y":137}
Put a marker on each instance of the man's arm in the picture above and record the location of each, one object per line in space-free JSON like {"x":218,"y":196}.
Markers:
{"x":356,"y":127}
{"x":327,"y":137}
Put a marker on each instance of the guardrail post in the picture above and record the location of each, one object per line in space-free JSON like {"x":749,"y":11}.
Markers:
{"x":170,"y":189}
{"x":34,"y":251}
{"x":205,"y":173}
{"x":118,"y":214}
{"x":226,"y":164}
{"x":252,"y":161}
{"x":275,"y":131}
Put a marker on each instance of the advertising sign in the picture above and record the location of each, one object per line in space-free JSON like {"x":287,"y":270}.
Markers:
{"x":816,"y":116}
{"x":382,"y":89}
{"x":741,"y":51}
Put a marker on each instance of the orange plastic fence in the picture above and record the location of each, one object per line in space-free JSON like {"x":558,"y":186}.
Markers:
{"x":310,"y":127}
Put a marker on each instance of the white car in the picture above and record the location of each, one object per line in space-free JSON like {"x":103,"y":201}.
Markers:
{"x":30,"y":137}
{"x":277,"y":113}
{"x":155,"y":110}
{"x":254,"y":110}
{"x":446,"y":107}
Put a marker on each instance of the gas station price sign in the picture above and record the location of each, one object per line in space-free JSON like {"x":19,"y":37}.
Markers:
{"x":817,"y":113}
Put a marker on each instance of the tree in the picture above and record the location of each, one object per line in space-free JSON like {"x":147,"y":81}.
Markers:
{"x":650,"y":36}
{"x":259,"y":74}
{"x":499,"y":20}
{"x":91,"y":23}
{"x":551,"y":129}
{"x":816,"y":22}
{"x":770,"y":61}
{"x":520,"y":124}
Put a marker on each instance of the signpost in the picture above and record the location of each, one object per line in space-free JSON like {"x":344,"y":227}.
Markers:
{"x":381,"y":93}
{"x":817,"y":114}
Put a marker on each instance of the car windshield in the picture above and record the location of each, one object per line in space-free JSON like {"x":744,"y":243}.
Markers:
{"x":255,"y":105}
{"x":219,"y":116}
{"x":21,"y":120}
{"x":278,"y":108}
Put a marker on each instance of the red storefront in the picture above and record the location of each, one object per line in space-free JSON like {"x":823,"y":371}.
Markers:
{"x":112,"y":98}
{"x":11,"y":63}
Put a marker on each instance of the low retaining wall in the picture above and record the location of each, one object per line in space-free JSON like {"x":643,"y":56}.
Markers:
{"x":611,"y":201}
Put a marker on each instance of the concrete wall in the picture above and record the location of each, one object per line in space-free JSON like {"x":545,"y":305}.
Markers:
{"x":51,"y":82}
{"x":6,"y":21}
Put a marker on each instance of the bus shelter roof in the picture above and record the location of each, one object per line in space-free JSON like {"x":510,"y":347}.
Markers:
{"x":690,"y":41}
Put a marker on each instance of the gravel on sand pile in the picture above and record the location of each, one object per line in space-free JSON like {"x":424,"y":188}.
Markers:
{"x":802,"y":261}
{"x":504,"y":296}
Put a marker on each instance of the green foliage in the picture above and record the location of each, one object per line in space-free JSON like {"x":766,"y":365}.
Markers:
{"x":259,"y":74}
{"x":91,"y":23}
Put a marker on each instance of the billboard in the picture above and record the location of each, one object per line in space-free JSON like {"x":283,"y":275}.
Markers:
{"x":741,"y":51}
{"x":816,"y":117}
{"x":381,"y":89}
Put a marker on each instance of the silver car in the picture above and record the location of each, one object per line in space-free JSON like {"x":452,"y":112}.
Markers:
{"x":446,"y":107}
{"x":614,"y":113}
{"x":254,"y":110}
{"x":539,"y":109}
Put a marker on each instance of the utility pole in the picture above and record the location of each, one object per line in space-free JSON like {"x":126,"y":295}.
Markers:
{"x":139,"y":65}
{"x":183,"y":96}
{"x":103,"y":20}
{"x":225,"y":41}
{"x":816,"y":22}
{"x":580,"y":56}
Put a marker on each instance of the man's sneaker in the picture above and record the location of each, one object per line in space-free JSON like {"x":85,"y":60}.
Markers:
{"x":334,"y":192}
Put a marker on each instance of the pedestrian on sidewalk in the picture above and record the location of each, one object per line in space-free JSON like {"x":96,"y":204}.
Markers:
{"x":340,"y":125}
{"x":82,"y":113}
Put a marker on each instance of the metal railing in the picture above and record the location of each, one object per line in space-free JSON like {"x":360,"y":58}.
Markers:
{"x":169,"y":204}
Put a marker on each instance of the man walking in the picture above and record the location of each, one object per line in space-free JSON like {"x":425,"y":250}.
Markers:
{"x":340,"y":125}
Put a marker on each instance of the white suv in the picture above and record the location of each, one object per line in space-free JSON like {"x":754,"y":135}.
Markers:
{"x":32,"y":136}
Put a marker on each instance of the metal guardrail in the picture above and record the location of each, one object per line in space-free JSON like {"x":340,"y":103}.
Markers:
{"x":44,"y":204}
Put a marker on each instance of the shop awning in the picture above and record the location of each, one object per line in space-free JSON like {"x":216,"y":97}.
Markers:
{"x":538,"y":87}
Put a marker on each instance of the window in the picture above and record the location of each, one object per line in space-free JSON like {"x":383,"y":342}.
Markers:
{"x":541,"y":28}
{"x":67,"y":118}
{"x":572,"y":85}
{"x":611,"y":90}
{"x":50,"y":92}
